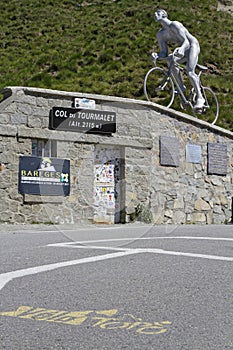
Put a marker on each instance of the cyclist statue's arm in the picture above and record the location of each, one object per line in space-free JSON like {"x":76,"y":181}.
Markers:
{"x":162,"y":46}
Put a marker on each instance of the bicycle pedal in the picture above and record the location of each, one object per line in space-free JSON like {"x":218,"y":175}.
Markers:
{"x":204,"y":110}
{"x":199,"y":110}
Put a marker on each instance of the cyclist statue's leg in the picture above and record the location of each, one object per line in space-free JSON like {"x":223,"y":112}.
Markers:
{"x":176,"y":73}
{"x":193,"y":77}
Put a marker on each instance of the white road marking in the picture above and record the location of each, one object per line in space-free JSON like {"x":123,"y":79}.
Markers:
{"x":191,"y":255}
{"x":118,"y":249}
{"x":9,"y":276}
{"x":78,"y":244}
{"x":156,"y":251}
{"x":147,"y":250}
{"x":120,"y":252}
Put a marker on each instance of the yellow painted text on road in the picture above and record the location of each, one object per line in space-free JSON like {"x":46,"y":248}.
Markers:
{"x":104,"y":319}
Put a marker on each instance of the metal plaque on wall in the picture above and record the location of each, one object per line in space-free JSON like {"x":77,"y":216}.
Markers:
{"x":82,"y":120}
{"x":193,"y":153}
{"x":217,"y":158}
{"x":169,"y":151}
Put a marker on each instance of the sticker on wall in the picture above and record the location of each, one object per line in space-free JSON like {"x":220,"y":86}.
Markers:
{"x":84,"y":103}
{"x":104,"y":173}
{"x":44,"y":176}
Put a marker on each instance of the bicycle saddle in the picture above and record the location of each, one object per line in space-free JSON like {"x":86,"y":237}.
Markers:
{"x":203,"y":68}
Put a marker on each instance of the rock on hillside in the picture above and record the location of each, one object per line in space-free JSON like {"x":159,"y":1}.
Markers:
{"x":225,"y":5}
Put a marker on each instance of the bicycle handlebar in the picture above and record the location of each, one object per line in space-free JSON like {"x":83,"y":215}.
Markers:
{"x":174,"y":58}
{"x":155,"y":56}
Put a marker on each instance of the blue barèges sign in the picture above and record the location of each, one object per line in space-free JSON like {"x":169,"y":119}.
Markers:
{"x":44,"y":176}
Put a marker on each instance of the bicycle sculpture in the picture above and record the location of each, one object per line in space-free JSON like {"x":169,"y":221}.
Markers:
{"x":162,"y":85}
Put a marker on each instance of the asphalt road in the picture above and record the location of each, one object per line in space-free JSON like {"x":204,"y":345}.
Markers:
{"x":121,"y":287}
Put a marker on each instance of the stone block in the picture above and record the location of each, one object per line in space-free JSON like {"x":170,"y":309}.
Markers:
{"x":198,"y":218}
{"x":25,"y":109}
{"x":6,"y":217}
{"x":168,"y":213}
{"x":219,"y":219}
{"x":8,"y":130}
{"x":209,"y":218}
{"x":35,"y":122}
{"x":11,"y":108}
{"x":203,"y":193}
{"x":179,"y":203}
{"x":42,"y":102}
{"x":217,"y":209}
{"x":216,"y":181}
{"x":17,"y":119}
{"x":223,"y":200}
{"x":4,"y":119}
{"x":19,"y":218}
{"x":179,"y":217}
{"x":201,"y":205}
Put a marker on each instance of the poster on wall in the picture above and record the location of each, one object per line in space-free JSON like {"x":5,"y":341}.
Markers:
{"x":108,"y":186}
{"x":104,"y":199}
{"x":44,"y":176}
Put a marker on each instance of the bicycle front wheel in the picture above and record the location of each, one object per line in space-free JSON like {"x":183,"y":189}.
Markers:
{"x":211,"y":107}
{"x":158,"y":87}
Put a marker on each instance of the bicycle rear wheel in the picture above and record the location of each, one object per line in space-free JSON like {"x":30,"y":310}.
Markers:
{"x":211,"y":107}
{"x":158,"y":87}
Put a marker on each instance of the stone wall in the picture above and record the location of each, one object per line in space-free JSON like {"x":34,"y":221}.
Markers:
{"x":187,"y":194}
{"x":152,"y":192}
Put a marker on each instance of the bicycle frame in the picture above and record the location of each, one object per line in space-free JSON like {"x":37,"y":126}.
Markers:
{"x":186,"y":101}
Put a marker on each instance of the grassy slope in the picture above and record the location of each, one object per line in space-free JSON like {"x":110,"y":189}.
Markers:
{"x":104,"y":46}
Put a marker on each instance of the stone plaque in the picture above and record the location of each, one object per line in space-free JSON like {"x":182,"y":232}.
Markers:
{"x":169,"y":151}
{"x":193,"y":153}
{"x":217,"y":158}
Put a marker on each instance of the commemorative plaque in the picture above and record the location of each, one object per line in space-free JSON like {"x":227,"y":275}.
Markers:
{"x":217,"y":158}
{"x":169,"y":151}
{"x":193,"y":153}
{"x":82,"y":120}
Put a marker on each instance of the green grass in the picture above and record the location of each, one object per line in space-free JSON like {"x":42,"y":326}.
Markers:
{"x":104,"y":47}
